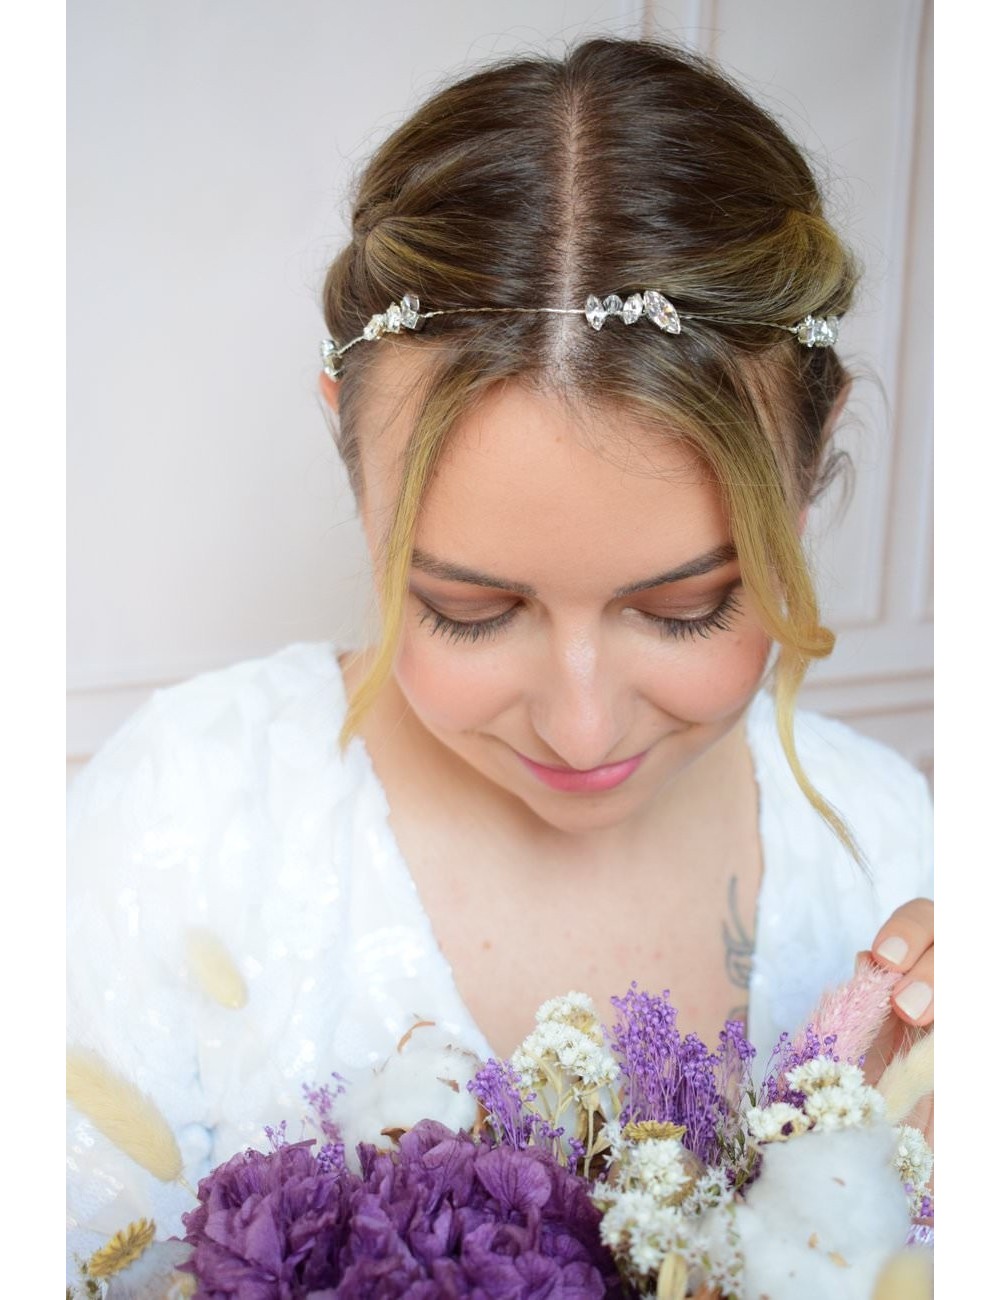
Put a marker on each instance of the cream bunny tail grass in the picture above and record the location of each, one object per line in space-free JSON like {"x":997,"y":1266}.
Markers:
{"x":907,"y":1276}
{"x":214,"y":969}
{"x":908,"y":1079}
{"x":123,"y":1114}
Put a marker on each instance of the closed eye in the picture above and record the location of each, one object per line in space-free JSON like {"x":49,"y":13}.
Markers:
{"x":717,"y":620}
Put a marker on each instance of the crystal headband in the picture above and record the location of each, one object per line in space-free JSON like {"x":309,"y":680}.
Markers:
{"x":813,"y":331}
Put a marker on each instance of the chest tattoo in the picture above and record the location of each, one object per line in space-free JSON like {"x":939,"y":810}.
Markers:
{"x":738,"y":941}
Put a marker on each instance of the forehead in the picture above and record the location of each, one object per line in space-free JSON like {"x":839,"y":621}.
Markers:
{"x":550,"y":486}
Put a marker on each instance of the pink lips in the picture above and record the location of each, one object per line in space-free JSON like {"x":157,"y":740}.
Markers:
{"x":597,"y":778}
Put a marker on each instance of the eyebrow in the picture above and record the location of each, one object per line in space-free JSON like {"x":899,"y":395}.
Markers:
{"x":449,"y":572}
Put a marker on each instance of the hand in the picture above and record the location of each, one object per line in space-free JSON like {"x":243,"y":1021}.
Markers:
{"x":906,"y":943}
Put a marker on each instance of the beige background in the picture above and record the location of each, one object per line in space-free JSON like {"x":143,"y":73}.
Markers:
{"x":211,"y":146}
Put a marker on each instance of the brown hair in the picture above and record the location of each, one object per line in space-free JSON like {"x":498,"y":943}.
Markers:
{"x":625,"y":165}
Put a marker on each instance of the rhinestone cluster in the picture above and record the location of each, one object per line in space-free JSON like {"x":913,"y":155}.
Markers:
{"x":396,"y":317}
{"x":651,"y":304}
{"x":818,"y":331}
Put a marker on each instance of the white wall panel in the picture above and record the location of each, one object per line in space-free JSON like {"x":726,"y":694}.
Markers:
{"x":852,"y":82}
{"x":211,"y":146}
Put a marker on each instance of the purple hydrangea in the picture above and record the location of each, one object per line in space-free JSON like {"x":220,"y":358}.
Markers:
{"x":269,"y":1225}
{"x":444,"y":1215}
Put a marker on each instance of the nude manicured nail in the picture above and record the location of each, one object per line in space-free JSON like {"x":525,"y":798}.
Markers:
{"x":915,"y":999}
{"x":893,"y":949}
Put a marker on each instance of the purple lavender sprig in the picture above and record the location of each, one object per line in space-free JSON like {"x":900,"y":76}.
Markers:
{"x":496,"y":1088}
{"x":646,"y":1041}
{"x":670,"y":1079}
{"x":789,"y":1053}
{"x":332,"y":1155}
{"x":509,"y":1114}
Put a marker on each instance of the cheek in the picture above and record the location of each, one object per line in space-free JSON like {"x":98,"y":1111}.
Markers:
{"x":451,"y":688}
{"x":455,"y":688}
{"x":706,"y":682}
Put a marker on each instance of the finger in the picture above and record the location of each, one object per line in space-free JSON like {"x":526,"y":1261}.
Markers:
{"x":913,"y":997}
{"x":906,"y":936}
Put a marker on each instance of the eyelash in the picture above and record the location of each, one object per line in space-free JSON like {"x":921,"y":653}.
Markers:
{"x":678,"y":628}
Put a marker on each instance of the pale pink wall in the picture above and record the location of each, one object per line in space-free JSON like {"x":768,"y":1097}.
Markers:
{"x":210,"y":148}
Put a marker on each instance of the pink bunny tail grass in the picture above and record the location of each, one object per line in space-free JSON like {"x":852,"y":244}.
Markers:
{"x":854,"y":1011}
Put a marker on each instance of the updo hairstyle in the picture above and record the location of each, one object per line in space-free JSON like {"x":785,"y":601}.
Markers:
{"x":624,"y":166}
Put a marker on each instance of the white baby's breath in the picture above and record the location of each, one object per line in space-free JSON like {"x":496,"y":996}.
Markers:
{"x":834,"y":1107}
{"x":642,"y":1231}
{"x":713,"y":1253}
{"x":656,"y":1165}
{"x":616,"y":1143}
{"x":824,"y":1072}
{"x":914,"y":1162}
{"x":767,"y":1123}
{"x":836,"y":1094}
{"x":572,"y":1009}
{"x":845,"y":1107}
{"x":638,"y":1228}
{"x":576,"y":1052}
{"x":710,"y":1189}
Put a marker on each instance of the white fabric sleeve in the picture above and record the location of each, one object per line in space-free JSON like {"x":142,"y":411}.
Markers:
{"x":138,"y":832}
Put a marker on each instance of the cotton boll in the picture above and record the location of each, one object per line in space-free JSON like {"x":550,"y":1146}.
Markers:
{"x":824,"y":1216}
{"x":426,"y":1080}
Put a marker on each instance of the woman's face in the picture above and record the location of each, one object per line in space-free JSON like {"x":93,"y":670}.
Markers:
{"x":568,"y":607}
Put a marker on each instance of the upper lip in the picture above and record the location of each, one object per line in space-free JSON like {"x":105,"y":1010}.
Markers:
{"x":582,"y":771}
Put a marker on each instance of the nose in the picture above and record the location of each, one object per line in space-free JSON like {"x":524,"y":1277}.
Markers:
{"x":578,"y":706}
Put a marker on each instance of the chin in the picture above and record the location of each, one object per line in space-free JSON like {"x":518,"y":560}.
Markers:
{"x":573,"y":814}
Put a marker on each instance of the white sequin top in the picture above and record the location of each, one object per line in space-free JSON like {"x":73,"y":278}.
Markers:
{"x":223,"y":808}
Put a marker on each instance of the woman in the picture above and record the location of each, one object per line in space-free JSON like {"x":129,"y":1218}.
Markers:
{"x":582,"y":375}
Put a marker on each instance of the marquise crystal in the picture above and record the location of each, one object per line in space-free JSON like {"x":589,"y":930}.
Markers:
{"x":632,"y":309}
{"x":661,"y":311}
{"x":595,"y":311}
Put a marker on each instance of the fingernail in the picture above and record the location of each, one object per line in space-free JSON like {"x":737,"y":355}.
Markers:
{"x":915,"y":999}
{"x":893,"y":949}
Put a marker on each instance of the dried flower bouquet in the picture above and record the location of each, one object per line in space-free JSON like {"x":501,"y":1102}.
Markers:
{"x":601,"y":1162}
